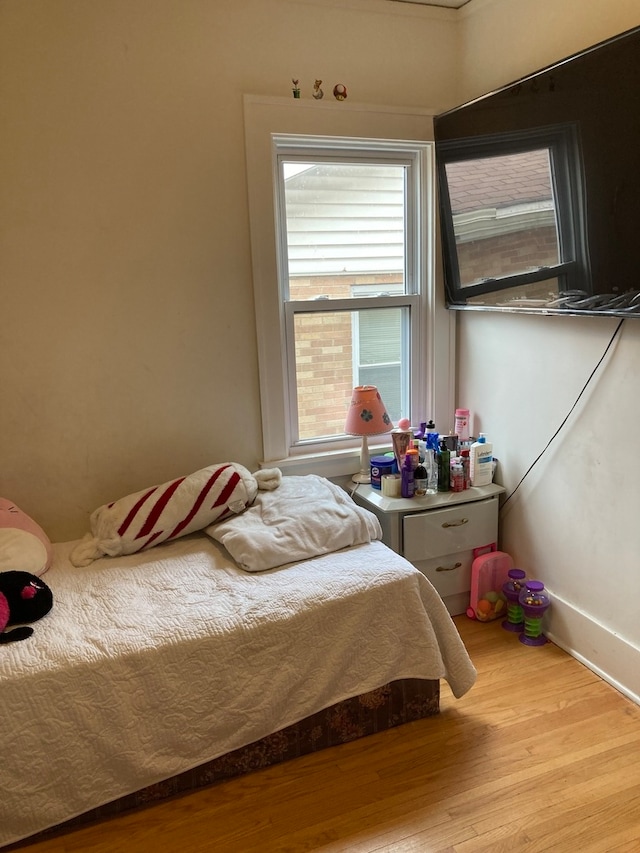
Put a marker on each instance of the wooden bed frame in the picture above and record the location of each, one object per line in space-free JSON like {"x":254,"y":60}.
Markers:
{"x":378,"y":710}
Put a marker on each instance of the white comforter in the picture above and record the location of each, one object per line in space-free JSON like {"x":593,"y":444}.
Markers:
{"x":304,"y":517}
{"x":153,"y":663}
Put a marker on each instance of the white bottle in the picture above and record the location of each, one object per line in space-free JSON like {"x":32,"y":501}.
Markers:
{"x":481,"y":462}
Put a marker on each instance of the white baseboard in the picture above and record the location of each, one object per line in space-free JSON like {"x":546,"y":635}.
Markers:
{"x":611,"y":657}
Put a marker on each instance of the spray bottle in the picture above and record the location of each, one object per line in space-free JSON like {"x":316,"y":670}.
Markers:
{"x":430,"y":457}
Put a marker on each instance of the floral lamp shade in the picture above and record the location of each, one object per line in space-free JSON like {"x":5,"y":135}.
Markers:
{"x":367,"y":415}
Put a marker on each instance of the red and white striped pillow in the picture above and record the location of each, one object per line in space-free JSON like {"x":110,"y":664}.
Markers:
{"x":166,"y":512}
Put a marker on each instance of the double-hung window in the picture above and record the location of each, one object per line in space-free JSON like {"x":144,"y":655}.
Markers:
{"x":349,"y":298}
{"x":350,"y":278}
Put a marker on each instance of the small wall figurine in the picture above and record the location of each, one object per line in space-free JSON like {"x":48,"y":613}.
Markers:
{"x":339,"y":91}
{"x":296,"y":88}
{"x":318,"y":94}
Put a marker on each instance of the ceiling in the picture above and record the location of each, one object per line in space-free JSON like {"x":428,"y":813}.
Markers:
{"x":449,"y":4}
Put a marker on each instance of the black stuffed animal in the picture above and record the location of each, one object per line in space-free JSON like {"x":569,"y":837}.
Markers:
{"x":23,"y":598}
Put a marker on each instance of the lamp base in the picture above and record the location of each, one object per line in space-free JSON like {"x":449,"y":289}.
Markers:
{"x":364,"y":474}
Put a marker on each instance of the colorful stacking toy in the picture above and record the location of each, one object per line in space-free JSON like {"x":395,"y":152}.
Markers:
{"x":511,"y":589}
{"x":534,"y":602}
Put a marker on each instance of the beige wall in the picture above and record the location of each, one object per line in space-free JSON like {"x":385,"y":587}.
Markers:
{"x":126,"y":314}
{"x":574,"y":521}
{"x":502,"y":40}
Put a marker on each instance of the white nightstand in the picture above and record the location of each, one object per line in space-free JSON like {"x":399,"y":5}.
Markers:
{"x":438,"y":533}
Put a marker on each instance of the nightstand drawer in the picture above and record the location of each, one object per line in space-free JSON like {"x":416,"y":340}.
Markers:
{"x":450,"y":574}
{"x":450,"y":531}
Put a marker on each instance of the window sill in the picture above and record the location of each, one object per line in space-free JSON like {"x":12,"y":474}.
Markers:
{"x":333,"y":463}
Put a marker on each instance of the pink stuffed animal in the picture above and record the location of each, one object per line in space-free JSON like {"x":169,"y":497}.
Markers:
{"x":24,"y":546}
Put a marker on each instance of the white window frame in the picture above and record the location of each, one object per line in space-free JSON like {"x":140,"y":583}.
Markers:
{"x":432,"y":382}
{"x":413,"y":157}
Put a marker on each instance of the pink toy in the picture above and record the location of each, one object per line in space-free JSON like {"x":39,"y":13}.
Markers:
{"x":24,"y":546}
{"x":488,"y":574}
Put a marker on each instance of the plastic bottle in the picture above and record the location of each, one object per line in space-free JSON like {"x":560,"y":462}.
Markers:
{"x":461,"y":424}
{"x":420,"y":480}
{"x":412,"y":455}
{"x":457,"y":476}
{"x":407,"y":485}
{"x":431,"y":467}
{"x":444,"y":456}
{"x":431,"y":457}
{"x":430,"y":429}
{"x":481,"y":461}
{"x":464,"y":458}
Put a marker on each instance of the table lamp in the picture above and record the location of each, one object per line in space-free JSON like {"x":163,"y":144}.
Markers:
{"x":366,"y":416}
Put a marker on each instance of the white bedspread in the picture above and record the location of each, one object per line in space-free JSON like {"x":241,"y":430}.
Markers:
{"x":153,"y":663}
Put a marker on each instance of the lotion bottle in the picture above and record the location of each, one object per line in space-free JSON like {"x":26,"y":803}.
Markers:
{"x":481,"y":461}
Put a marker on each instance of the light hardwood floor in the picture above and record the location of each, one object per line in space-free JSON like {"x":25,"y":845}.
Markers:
{"x":541,"y":755}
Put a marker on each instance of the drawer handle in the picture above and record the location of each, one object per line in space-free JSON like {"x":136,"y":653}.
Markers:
{"x":456,"y":523}
{"x":448,"y":568}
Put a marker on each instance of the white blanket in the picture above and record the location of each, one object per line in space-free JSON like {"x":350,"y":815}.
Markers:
{"x":304,"y":517}
{"x":153,"y":663}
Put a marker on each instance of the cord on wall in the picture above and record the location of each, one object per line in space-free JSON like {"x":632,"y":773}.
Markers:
{"x":548,"y":444}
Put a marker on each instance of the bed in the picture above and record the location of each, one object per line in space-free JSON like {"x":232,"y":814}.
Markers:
{"x":174,"y":667}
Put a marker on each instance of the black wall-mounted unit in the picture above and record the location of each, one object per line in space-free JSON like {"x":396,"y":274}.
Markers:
{"x":539,"y":189}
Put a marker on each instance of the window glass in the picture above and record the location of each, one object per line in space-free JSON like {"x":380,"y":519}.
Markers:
{"x":380,"y":343}
{"x":336,"y":350}
{"x":345,"y":226}
{"x":512,"y":214}
{"x":346,"y":237}
{"x":504,"y":215}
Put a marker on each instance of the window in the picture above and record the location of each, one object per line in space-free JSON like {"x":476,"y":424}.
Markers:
{"x":342,"y":234}
{"x":513,"y":214}
{"x":350,"y":276}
